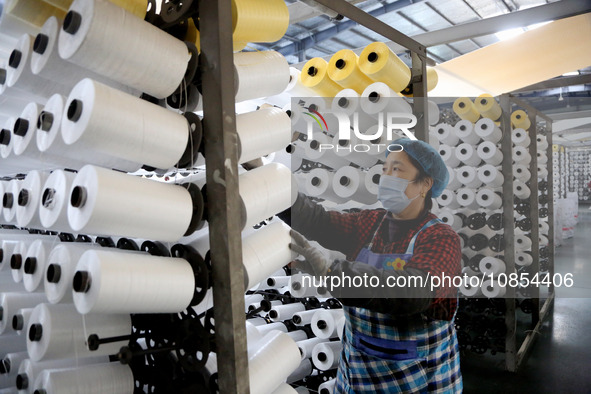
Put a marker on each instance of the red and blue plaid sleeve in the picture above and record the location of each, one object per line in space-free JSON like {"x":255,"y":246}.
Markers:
{"x":438,"y":253}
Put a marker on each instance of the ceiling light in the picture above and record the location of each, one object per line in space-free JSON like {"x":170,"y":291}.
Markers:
{"x":509,"y":33}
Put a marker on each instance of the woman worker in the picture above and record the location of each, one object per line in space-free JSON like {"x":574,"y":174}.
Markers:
{"x":397,"y":339}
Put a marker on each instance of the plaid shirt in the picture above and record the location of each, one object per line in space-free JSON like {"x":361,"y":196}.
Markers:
{"x":437,"y":249}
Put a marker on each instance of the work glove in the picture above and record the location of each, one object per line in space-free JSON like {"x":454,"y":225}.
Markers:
{"x":315,"y":262}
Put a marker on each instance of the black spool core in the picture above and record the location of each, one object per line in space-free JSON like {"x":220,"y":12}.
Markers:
{"x":316,"y":181}
{"x":40,"y":391}
{"x":312,"y":71}
{"x":322,"y":391}
{"x":288,"y":112}
{"x":343,"y":102}
{"x":45,"y":121}
{"x":461,"y":104}
{"x":47,"y":198}
{"x":81,"y":282}
{"x":266,"y":305}
{"x":374,"y":97}
{"x":296,"y":285}
{"x":72,"y":22}
{"x":487,"y":173}
{"x":35,"y":332}
{"x":78,"y":197}
{"x":485,"y":197}
{"x":22,"y":381}
{"x":314,"y":145}
{"x":464,"y":196}
{"x":54,"y":273}
{"x":321,"y":324}
{"x":441,"y":130}
{"x":463,"y":128}
{"x":75,"y":110}
{"x":15,"y":58}
{"x":484,"y":126}
{"x":344,"y":181}
{"x":296,"y":320}
{"x":1,"y":313}
{"x":8,"y":200}
{"x":40,"y":44}
{"x":463,"y":151}
{"x":486,"y":149}
{"x":340,"y":64}
{"x":465,"y":174}
{"x":93,"y":342}
{"x":4,"y":137}
{"x":16,"y":261}
{"x":18,"y":322}
{"x":23,"y":198}
{"x":273,"y":314}
{"x":2,"y":76}
{"x":30,"y":265}
{"x":517,"y":116}
{"x":313,"y":107}
{"x":444,"y":197}
{"x":343,"y":142}
{"x":290,"y":148}
{"x":372,"y":57}
{"x":322,"y":357}
{"x":5,"y":366}
{"x":483,"y":101}
{"x":376,"y":179}
{"x":21,"y":126}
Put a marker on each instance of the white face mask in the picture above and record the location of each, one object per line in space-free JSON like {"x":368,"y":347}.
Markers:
{"x":391,"y":193}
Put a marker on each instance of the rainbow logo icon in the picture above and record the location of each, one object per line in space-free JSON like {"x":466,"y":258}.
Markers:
{"x":317,"y":117}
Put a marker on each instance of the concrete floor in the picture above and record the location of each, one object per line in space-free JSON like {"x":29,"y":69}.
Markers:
{"x":560,"y":360}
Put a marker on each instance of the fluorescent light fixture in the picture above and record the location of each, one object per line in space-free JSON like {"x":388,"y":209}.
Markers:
{"x":570,"y":74}
{"x":509,"y":33}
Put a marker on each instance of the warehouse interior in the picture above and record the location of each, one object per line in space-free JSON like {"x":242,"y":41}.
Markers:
{"x":160,"y":158}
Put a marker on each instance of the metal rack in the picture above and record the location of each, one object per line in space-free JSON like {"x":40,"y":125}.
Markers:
{"x":220,"y":139}
{"x":514,"y":355}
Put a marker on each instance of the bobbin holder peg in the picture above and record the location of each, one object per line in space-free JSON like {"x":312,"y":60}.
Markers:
{"x":155,"y":248}
{"x":94,"y":341}
{"x":199,"y":270}
{"x":189,"y":157}
{"x":186,"y":336}
{"x":189,"y":83}
{"x":127,"y":244}
{"x":174,"y":12}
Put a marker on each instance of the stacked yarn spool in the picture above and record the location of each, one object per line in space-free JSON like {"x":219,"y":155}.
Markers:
{"x":84,"y":159}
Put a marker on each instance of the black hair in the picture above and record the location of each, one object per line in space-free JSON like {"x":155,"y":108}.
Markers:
{"x":421,"y":176}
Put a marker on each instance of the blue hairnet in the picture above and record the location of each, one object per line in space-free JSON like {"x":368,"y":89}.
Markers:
{"x":428,"y":158}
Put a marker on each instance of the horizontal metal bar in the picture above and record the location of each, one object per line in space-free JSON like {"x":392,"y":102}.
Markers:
{"x":373,"y":23}
{"x":531,"y":110}
{"x":570,"y":115}
{"x":339,"y":27}
{"x":495,"y":24}
{"x":557,"y":83}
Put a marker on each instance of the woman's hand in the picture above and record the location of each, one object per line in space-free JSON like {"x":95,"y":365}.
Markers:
{"x":317,"y":264}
